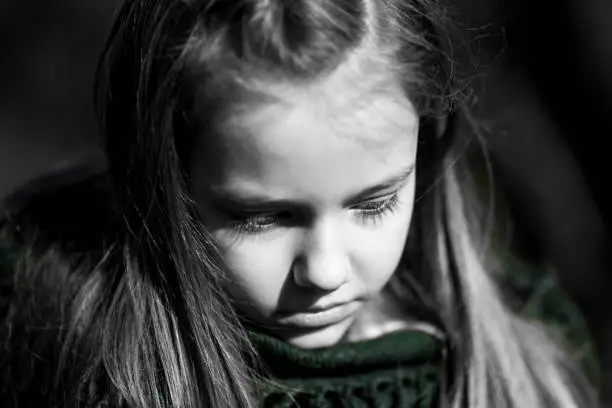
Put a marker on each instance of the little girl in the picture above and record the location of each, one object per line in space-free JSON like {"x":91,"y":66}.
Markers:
{"x":285,"y":221}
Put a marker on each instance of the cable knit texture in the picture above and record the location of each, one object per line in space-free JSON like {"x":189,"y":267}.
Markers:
{"x":401,"y":369}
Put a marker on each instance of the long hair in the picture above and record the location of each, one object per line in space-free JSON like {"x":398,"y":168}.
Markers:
{"x":147,"y":323}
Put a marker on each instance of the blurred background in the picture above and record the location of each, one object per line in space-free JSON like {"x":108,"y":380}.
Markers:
{"x":543,"y":84}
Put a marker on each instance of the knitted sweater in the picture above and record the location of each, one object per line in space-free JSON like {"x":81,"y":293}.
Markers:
{"x":401,"y":369}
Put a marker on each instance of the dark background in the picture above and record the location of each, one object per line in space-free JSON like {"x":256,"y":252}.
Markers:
{"x":543,"y":75}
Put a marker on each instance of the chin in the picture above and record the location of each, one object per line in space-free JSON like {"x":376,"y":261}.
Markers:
{"x":318,"y":338}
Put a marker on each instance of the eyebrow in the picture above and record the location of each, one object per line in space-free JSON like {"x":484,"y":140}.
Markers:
{"x":232,"y":200}
{"x":394,"y":181}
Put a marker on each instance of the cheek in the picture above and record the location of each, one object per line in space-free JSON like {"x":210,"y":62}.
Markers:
{"x":377,"y":256}
{"x":258,"y":270}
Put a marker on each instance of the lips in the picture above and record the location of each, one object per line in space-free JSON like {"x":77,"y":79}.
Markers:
{"x":317,"y":317}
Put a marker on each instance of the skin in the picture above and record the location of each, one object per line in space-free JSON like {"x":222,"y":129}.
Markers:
{"x":285,"y":187}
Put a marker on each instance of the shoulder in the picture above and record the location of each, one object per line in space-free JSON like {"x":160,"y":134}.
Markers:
{"x":51,"y":231}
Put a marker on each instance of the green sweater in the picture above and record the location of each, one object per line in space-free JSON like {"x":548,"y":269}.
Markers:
{"x":402,"y":369}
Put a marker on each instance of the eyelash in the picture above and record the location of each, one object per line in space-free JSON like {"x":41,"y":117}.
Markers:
{"x":369,"y":212}
{"x":375,"y":210}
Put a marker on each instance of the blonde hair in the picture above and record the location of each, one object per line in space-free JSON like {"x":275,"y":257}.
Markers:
{"x":509,"y":362}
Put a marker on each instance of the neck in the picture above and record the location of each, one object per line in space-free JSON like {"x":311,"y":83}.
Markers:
{"x":382,"y":315}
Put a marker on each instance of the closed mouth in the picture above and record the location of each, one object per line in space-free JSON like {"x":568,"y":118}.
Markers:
{"x":318,"y":317}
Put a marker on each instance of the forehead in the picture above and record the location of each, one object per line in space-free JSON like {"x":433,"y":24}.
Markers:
{"x":313,"y":143}
{"x":372,"y":116}
{"x":360,"y":99}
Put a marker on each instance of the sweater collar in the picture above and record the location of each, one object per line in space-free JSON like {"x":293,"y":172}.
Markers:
{"x":400,"y":369}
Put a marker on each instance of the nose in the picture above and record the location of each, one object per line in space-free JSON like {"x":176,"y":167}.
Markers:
{"x":323,"y":263}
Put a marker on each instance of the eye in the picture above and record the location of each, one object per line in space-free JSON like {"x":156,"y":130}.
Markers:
{"x":256,"y":223}
{"x":374,"y":210}
{"x":259,"y":223}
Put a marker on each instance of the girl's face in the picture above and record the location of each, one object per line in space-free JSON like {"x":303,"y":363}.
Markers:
{"x":310,"y":199}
